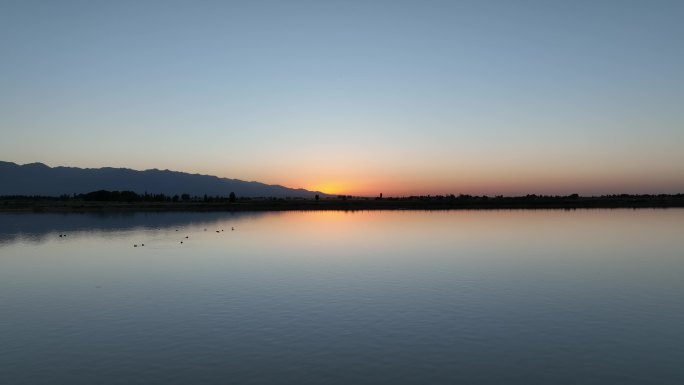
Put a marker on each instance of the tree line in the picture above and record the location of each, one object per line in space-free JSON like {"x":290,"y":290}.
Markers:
{"x":127,"y":196}
{"x":529,"y":200}
{"x":131,"y":196}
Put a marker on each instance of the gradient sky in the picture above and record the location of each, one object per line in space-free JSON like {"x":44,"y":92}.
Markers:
{"x":356,"y":97}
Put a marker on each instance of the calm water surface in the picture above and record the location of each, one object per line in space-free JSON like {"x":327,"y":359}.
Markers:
{"x":472,"y":297}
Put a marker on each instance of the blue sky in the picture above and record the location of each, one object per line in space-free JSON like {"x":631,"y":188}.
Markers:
{"x":362,"y":97}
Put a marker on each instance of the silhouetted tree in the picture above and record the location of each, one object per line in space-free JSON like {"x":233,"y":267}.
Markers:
{"x":317,"y":197}
{"x":231,"y":197}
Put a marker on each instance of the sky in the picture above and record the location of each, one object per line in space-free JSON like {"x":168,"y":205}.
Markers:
{"x":353,"y":97}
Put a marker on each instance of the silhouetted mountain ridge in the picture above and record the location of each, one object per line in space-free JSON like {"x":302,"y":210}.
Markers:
{"x":40,"y":179}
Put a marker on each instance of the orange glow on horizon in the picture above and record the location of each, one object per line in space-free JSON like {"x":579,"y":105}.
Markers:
{"x":487,"y":179}
{"x":346,"y":186}
{"x":330,"y":187}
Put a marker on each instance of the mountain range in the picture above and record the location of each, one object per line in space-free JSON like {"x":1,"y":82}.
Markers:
{"x":40,"y":179}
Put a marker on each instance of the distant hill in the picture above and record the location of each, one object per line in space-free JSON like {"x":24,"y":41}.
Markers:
{"x":40,"y":179}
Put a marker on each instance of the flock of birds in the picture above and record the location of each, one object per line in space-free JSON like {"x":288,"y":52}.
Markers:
{"x":181,"y":242}
{"x":63,"y":235}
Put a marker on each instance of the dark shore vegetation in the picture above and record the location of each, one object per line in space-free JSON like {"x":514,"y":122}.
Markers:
{"x":127,"y":200}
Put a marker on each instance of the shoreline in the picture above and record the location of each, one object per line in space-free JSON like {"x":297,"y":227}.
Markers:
{"x":362,"y":204}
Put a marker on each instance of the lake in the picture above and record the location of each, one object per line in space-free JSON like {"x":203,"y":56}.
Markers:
{"x":395,"y":297}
